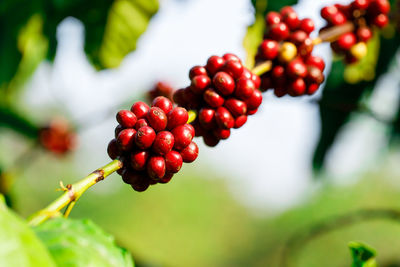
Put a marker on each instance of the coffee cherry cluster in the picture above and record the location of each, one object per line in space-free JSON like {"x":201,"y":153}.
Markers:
{"x":363,"y":14}
{"x":287,"y":43}
{"x":224,"y":93}
{"x":160,"y":89}
{"x":152,"y":142}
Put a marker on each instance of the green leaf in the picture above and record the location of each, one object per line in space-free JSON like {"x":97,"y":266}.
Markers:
{"x":363,"y":256}
{"x":20,"y":123}
{"x":255,"y":32}
{"x":19,"y":245}
{"x":81,"y":243}
{"x":340,"y":99}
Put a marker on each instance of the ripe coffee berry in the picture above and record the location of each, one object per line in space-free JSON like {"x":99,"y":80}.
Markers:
{"x":363,"y":14}
{"x":289,"y":50}
{"x":153,"y":148}
{"x":224,"y":103}
{"x":161,"y":89}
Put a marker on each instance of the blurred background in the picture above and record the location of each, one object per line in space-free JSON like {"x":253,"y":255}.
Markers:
{"x":67,"y":67}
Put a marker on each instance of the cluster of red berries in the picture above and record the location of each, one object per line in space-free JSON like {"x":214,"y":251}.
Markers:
{"x":57,"y":137}
{"x":224,"y":93}
{"x":363,"y":14}
{"x":152,"y":142}
{"x":161,"y":89}
{"x":288,"y":45}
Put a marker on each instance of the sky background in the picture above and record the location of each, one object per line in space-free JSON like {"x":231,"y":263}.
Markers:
{"x":267,"y":162}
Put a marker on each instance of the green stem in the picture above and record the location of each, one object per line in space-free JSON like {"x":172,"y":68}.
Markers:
{"x":74,"y":192}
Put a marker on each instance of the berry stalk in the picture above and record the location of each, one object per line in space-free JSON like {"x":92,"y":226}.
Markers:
{"x":73,"y":193}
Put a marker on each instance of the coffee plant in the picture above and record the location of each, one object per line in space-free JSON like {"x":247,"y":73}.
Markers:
{"x":153,"y":140}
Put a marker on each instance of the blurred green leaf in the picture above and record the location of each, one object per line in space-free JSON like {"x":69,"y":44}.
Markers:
{"x":18,"y":244}
{"x":10,"y":118}
{"x":363,"y":256}
{"x":81,"y":243}
{"x":255,"y":32}
{"x":340,"y":98}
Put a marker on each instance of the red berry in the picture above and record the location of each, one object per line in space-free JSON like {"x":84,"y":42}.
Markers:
{"x":307,"y":25}
{"x":381,"y":20}
{"x":287,"y":10}
{"x":177,"y":116}
{"x":163,"y":103}
{"x":144,"y":137}
{"x":328,"y":11}
{"x":347,"y":40}
{"x":278,"y":75}
{"x":222,"y":133}
{"x":156,"y":167}
{"x":163,"y":143}
{"x":157,"y":119}
{"x":196,"y":71}
{"x":200,"y":83}
{"x":338,"y":19}
{"x":364,"y":34}
{"x":191,"y":129}
{"x":210,"y":139}
{"x":179,"y":96}
{"x":140,"y":109}
{"x":167,"y":177}
{"x":112,"y":149}
{"x":316,"y":62}
{"x":291,"y":19}
{"x":140,"y":123}
{"x":192,"y":100}
{"x":360,"y":4}
{"x":141,"y":185}
{"x":206,"y":117}
{"x":233,"y":67}
{"x":183,"y":136}
{"x":236,"y":107}
{"x":269,"y":49}
{"x":296,"y":68}
{"x":280,"y":91}
{"x":272,"y":18}
{"x":173,"y":161}
{"x":266,"y":83}
{"x":190,"y":153}
{"x":139,"y":159}
{"x":131,"y":177}
{"x":213,"y":98}
{"x":214,"y":64}
{"x":380,"y":6}
{"x":312,"y":88}
{"x":256,"y":79}
{"x":244,"y":88}
{"x":126,"y":118}
{"x":125,"y":139}
{"x":314,"y":75}
{"x":224,"y":83}
{"x":306,"y":48}
{"x":298,"y":37}
{"x":240,"y":121}
{"x":224,"y":118}
{"x":279,"y":31}
{"x":246,"y":74}
{"x":230,"y":56}
{"x":297,"y":87}
{"x":117,"y":130}
{"x":254,"y":101}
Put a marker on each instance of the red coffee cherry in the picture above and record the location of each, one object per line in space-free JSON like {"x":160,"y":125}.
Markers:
{"x":140,"y":109}
{"x":269,"y":49}
{"x":244,"y":88}
{"x":177,"y":116}
{"x":139,"y":159}
{"x":140,"y":123}
{"x":222,"y":133}
{"x":156,"y":167}
{"x":197,"y":71}
{"x":163,"y":143}
{"x":126,"y":118}
{"x":213,"y":98}
{"x":173,"y":161}
{"x":117,"y":130}
{"x":200,"y":83}
{"x":125,"y":139}
{"x":272,"y":18}
{"x":183,"y":136}
{"x":254,"y":101}
{"x":214,"y":64}
{"x":233,"y":67}
{"x":145,"y":137}
{"x":190,"y":153}
{"x":279,"y":31}
{"x":112,"y":149}
{"x":224,"y":118}
{"x":346,"y":41}
{"x":307,"y":25}
{"x":163,"y":103}
{"x":240,"y":121}
{"x":224,"y":83}
{"x":207,"y":118}
{"x":236,"y":107}
{"x":157,"y":119}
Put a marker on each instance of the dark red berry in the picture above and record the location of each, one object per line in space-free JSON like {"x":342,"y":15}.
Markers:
{"x":298,"y":37}
{"x":306,"y":48}
{"x":269,"y":49}
{"x":191,"y":129}
{"x":296,"y":68}
{"x":200,"y":83}
{"x":328,"y":11}
{"x":177,"y":116}
{"x":347,"y":40}
{"x":125,"y":139}
{"x":314,"y":75}
{"x":230,"y":56}
{"x":244,"y":88}
{"x":126,"y":118}
{"x":312,"y":88}
{"x":213,"y":98}
{"x":214,"y":64}
{"x":272,"y":18}
{"x":130,"y":176}
{"x":163,"y":103}
{"x":140,"y":123}
{"x":254,"y":101}
{"x":207,"y":117}
{"x":279,"y":31}
{"x":381,"y":20}
{"x":179,"y":96}
{"x":297,"y":87}
{"x":197,"y":70}
{"x":144,"y":137}
{"x":291,"y":19}
{"x":307,"y":25}
{"x":256,"y":79}
{"x":173,"y":161}
{"x":163,"y":143}
{"x":156,"y":167}
{"x":157,"y":119}
{"x":224,"y":118}
{"x":337,"y":19}
{"x":236,"y":107}
{"x":240,"y":121}
{"x":112,"y":149}
{"x":360,"y":4}
{"x":210,"y":139}
{"x":224,"y":83}
{"x":141,"y":185}
{"x":190,"y":153}
{"x":222,"y":133}
{"x":139,"y":159}
{"x":380,"y":6}
{"x":117,"y":130}
{"x":183,"y":136}
{"x":316,"y":62}
{"x":364,"y":34}
{"x":167,"y":177}
{"x":140,"y":109}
